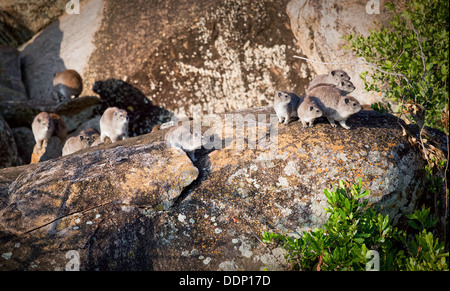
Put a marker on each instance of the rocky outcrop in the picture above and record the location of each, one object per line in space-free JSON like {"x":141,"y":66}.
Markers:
{"x":139,"y":205}
{"x":11,"y":86}
{"x":319,"y":27}
{"x":220,"y":55}
{"x":21,"y":19}
{"x":8,"y":150}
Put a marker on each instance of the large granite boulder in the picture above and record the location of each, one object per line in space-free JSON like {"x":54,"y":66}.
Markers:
{"x":220,"y":55}
{"x":319,"y":27}
{"x":21,"y":19}
{"x":139,"y":205}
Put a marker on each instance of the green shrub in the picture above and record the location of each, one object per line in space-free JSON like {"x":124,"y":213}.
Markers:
{"x":353,"y":231}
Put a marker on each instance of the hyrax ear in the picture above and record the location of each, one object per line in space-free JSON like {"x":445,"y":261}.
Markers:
{"x":280,"y":94}
{"x":333,"y":72}
{"x":311,"y":108}
{"x":81,"y":137}
{"x":342,"y":83}
{"x":347,"y":100}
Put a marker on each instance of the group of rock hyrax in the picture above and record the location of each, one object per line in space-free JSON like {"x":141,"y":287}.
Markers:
{"x":326,"y":96}
{"x":68,"y":84}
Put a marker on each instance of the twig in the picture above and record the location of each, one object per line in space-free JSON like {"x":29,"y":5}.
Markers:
{"x":422,"y":55}
{"x":358,"y":63}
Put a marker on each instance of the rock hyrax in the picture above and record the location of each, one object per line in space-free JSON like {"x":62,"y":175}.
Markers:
{"x":308,"y":111}
{"x":77,"y":143}
{"x":335,"y":107}
{"x":68,"y":83}
{"x":114,"y":124}
{"x":285,"y":105}
{"x":181,"y":137}
{"x":344,"y":87}
{"x":334,"y":77}
{"x":43,"y":128}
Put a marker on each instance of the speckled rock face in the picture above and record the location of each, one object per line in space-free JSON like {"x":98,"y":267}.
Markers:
{"x":138,"y":205}
{"x":251,"y":190}
{"x":221,"y":55}
{"x":319,"y":27}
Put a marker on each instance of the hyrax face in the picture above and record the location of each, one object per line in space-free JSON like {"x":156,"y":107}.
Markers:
{"x":120,"y":117}
{"x":345,"y":86}
{"x":313,"y":111}
{"x":282,"y":97}
{"x":340,"y":75}
{"x":349,"y":105}
{"x":43,"y":122}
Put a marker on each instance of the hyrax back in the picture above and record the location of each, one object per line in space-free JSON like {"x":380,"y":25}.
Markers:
{"x":333,"y":78}
{"x":335,"y":107}
{"x":308,"y":111}
{"x":68,"y":83}
{"x":285,"y":105}
{"x":43,"y":128}
{"x":114,"y":124}
{"x":77,"y":143}
{"x":344,"y":87}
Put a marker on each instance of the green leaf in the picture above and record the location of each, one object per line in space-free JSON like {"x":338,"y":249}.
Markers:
{"x":413,"y":224}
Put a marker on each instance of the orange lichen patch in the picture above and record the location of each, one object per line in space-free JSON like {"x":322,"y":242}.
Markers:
{"x":320,"y":170}
{"x":222,"y":158}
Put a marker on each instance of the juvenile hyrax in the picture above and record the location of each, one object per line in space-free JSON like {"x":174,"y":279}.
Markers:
{"x":68,"y":83}
{"x":77,"y":143}
{"x":285,"y":105}
{"x":344,"y":87}
{"x":335,"y":107}
{"x":334,"y":77}
{"x":114,"y":124}
{"x":308,"y":111}
{"x":181,"y":137}
{"x":43,"y":128}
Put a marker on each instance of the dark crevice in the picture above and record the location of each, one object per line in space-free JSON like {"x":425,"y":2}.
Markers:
{"x":203,"y":165}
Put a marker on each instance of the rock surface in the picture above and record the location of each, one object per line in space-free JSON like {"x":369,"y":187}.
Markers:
{"x":8,"y":150}
{"x":319,"y":27}
{"x":11,"y":86}
{"x":220,"y":55}
{"x":21,"y":19}
{"x":138,"y":205}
